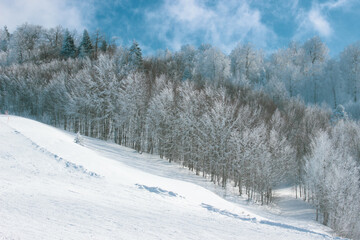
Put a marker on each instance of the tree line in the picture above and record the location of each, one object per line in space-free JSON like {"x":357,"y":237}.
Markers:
{"x":245,"y":119}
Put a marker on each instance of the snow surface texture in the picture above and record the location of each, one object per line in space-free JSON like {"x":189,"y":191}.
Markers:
{"x":53,"y":188}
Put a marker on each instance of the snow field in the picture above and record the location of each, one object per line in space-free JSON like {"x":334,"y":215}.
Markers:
{"x":53,"y":188}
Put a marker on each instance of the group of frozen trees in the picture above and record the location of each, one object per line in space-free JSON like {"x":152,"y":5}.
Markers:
{"x":33,"y":43}
{"x":235,"y":119}
{"x":307,"y":71}
{"x":332,"y":175}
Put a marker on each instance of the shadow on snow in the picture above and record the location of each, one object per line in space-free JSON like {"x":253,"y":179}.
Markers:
{"x":265,"y":222}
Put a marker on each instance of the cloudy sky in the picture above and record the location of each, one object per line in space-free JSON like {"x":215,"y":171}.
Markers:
{"x":160,"y":24}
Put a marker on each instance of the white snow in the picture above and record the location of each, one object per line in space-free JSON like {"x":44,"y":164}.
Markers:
{"x":53,"y":188}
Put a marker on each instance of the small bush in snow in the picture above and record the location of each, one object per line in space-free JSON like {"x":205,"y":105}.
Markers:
{"x":79,"y":139}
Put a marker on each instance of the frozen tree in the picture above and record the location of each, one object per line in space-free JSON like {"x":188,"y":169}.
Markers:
{"x":135,"y":56}
{"x":4,"y":39}
{"x":246,"y":64}
{"x":98,"y":42}
{"x":256,"y":158}
{"x":333,"y":178}
{"x":79,"y":139}
{"x":187,"y":74}
{"x":350,"y":66}
{"x":315,"y":55}
{"x":193,"y":106}
{"x":107,"y":88}
{"x":301,"y":126}
{"x":339,"y":114}
{"x":53,"y":38}
{"x":68,"y":47}
{"x":187,"y":55}
{"x":85,"y":47}
{"x":346,"y":136}
{"x":285,"y":66}
{"x":82,"y":107}
{"x":212,"y":65}
{"x":57,"y":99}
{"x":317,"y":167}
{"x":25,"y":42}
{"x":332,"y":83}
{"x":218,"y":124}
{"x":162,"y":123}
{"x":276,"y":89}
{"x":131,"y":115}
{"x":103,"y":46}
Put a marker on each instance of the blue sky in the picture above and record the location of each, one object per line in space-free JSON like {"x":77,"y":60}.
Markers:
{"x":161,"y":24}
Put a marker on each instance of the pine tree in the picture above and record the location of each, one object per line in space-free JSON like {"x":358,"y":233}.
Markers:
{"x":339,"y":114}
{"x":103,"y":46}
{"x":4,"y":39}
{"x":186,"y":74}
{"x":135,"y":56}
{"x":7,"y":33}
{"x":85,"y":48}
{"x":79,"y":139}
{"x":68,"y":48}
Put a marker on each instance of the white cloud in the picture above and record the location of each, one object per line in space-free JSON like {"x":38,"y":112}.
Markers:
{"x":319,"y":23}
{"x":188,"y":10}
{"x":47,"y":13}
{"x":222,"y":24}
{"x":335,"y":4}
{"x":315,"y":21}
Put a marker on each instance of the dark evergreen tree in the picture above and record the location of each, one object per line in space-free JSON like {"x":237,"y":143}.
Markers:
{"x":4,"y":39}
{"x":103,"y":46}
{"x":187,"y":74}
{"x":85,"y":48}
{"x":68,"y":48}
{"x":135,"y":56}
{"x":339,"y":114}
{"x":7,"y":33}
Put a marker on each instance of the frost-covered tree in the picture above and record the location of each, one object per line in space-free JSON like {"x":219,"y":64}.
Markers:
{"x":103,"y":46}
{"x":350,"y":67}
{"x":162,"y":123}
{"x":212,"y":65}
{"x":333,"y":179}
{"x":4,"y":39}
{"x":53,"y":39}
{"x":68,"y":48}
{"x":315,"y":55}
{"x":333,"y":90}
{"x":79,"y":139}
{"x":25,"y":42}
{"x":85,"y":47}
{"x":247,"y":64}
{"x":218,"y":123}
{"x":285,"y":67}
{"x":133,"y":99}
{"x":187,"y":55}
{"x":135,"y":56}
{"x":107,"y":89}
{"x":193,"y":148}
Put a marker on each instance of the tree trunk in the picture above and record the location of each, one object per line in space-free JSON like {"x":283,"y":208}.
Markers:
{"x":326,"y":218}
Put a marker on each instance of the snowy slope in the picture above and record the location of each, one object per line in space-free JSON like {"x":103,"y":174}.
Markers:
{"x":53,"y":188}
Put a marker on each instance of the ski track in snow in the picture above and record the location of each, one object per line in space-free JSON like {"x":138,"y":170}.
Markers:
{"x":158,"y":190}
{"x":59,"y":159}
{"x":131,"y":196}
{"x":266,"y":222}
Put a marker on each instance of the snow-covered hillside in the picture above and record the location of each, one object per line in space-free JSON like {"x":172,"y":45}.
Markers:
{"x":53,"y":188}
